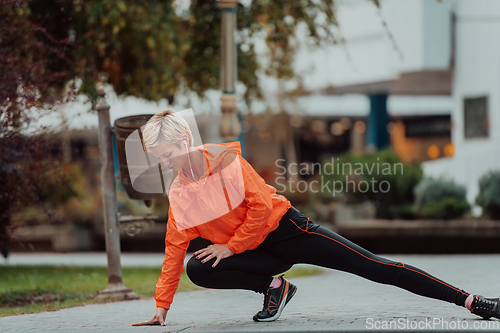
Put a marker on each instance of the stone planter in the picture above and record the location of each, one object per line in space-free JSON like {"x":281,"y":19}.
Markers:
{"x":344,"y":213}
{"x":60,"y":237}
{"x":423,"y":236}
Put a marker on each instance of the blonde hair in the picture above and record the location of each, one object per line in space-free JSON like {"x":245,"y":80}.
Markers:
{"x":168,"y":127}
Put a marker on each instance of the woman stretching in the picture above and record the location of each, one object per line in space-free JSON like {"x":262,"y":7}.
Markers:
{"x":256,"y":233}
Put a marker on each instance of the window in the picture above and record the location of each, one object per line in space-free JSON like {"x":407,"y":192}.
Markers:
{"x":422,"y":126}
{"x":476,"y":117}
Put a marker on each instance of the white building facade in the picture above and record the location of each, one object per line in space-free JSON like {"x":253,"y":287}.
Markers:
{"x":476,"y":96}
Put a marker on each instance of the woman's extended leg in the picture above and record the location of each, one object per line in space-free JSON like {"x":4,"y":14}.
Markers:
{"x":298,"y":240}
{"x":323,"y":247}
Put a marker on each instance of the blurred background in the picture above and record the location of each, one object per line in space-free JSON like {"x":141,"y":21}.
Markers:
{"x":415,"y":82}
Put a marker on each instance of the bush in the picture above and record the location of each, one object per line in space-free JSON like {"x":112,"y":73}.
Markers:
{"x":445,"y":209}
{"x":387,"y":169}
{"x":438,"y":198}
{"x":489,"y":194}
{"x":73,"y":199}
{"x":404,"y":211}
{"x":434,"y":189}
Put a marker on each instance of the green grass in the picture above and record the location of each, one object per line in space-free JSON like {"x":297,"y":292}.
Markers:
{"x":28,"y":289}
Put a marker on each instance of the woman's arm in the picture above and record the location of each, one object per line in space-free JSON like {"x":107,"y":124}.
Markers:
{"x":240,"y":176}
{"x":259,"y":203}
{"x":176,"y":244}
{"x":171,"y":270}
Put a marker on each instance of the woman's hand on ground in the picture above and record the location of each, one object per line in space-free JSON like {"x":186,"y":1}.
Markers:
{"x":219,"y":251}
{"x":157,"y":319}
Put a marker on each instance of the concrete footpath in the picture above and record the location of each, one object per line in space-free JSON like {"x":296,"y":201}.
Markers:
{"x":331,"y":302}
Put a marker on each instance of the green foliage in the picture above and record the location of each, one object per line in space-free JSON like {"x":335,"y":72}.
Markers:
{"x":382,"y":171}
{"x":63,"y":287}
{"x":152,"y":49}
{"x":434,"y":189}
{"x":489,"y":194}
{"x":445,"y":209}
{"x":439,"y":198}
{"x":68,"y":194}
{"x":60,"y":192}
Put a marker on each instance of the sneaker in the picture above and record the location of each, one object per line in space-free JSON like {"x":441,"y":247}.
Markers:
{"x":275,"y":301}
{"x":485,"y":307}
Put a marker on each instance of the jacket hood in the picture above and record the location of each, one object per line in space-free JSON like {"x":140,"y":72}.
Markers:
{"x":214,"y":153}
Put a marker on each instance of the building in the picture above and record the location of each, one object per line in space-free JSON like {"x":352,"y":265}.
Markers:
{"x":476,"y":96}
{"x":392,"y":77}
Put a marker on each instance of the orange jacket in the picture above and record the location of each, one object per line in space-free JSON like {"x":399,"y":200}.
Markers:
{"x":242,"y":228}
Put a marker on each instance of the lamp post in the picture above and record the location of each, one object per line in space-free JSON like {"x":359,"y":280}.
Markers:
{"x":230,"y":127}
{"x":115,"y":289}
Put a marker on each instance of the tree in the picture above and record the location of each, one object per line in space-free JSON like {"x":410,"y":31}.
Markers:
{"x":34,"y":71}
{"x":146,"y":48}
{"x":153,"y":50}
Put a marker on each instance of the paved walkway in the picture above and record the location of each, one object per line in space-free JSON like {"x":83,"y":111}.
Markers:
{"x":331,"y":302}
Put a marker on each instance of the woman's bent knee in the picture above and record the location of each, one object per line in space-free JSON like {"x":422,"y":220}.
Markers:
{"x":196,"y":271}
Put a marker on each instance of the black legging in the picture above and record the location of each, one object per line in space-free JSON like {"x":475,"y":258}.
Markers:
{"x":298,"y":240}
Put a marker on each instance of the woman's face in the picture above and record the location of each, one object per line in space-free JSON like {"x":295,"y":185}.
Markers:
{"x":170,"y":156}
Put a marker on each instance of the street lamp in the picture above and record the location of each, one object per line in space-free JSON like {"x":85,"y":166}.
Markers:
{"x":230,"y":127}
{"x":115,"y":289}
